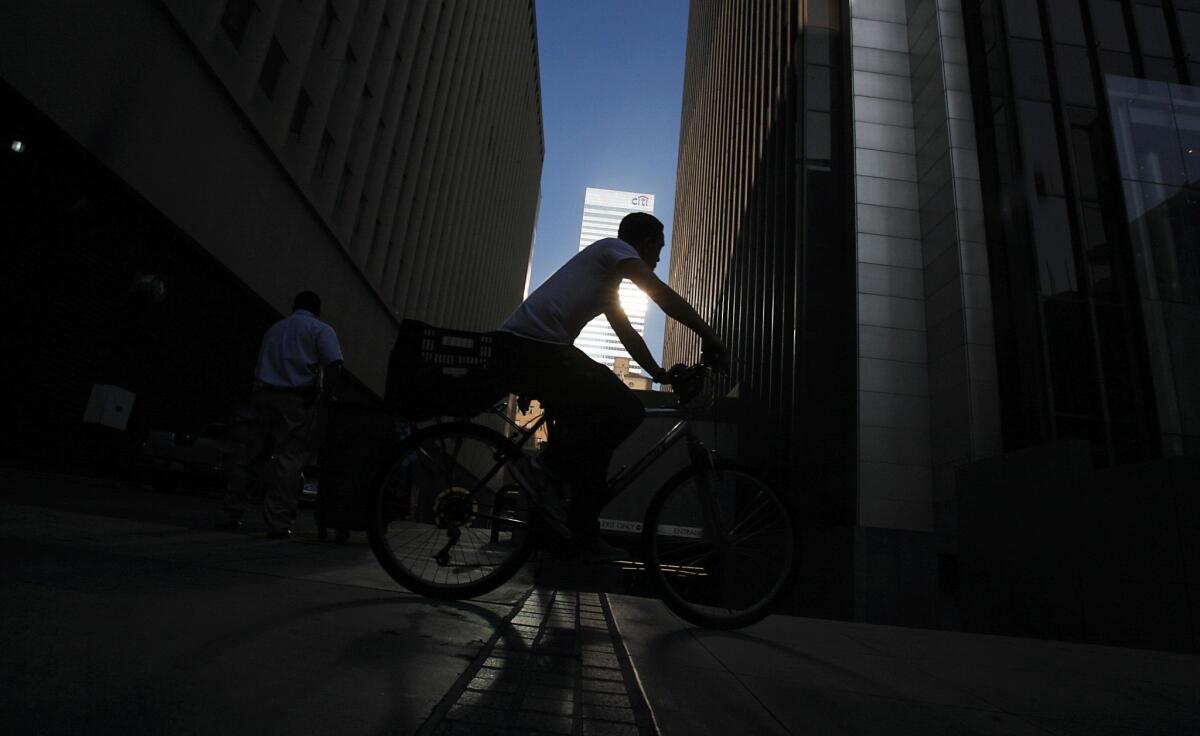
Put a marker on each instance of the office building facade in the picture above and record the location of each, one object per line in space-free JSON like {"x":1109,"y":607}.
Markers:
{"x":603,"y":210}
{"x":938,"y":235}
{"x":385,"y":154}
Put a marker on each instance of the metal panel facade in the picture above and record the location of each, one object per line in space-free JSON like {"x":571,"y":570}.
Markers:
{"x":760,"y":244}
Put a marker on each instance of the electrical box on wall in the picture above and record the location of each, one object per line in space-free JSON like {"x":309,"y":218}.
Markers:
{"x":109,"y":406}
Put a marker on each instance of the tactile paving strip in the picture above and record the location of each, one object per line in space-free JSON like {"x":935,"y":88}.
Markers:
{"x":555,"y":666}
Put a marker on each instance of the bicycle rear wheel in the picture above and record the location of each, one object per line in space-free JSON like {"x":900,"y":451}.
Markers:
{"x":446,"y":522}
{"x":723,"y":546}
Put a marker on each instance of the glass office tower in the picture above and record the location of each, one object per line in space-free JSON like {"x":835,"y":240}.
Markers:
{"x":1089,"y":156}
{"x":938,"y":234}
{"x":603,"y":210}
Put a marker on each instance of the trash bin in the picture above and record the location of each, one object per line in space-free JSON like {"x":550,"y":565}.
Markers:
{"x":352,"y":455}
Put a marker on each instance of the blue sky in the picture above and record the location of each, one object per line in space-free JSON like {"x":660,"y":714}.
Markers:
{"x":612,"y":87}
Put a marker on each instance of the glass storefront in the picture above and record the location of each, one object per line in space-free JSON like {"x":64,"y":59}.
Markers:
{"x":1156,"y":129}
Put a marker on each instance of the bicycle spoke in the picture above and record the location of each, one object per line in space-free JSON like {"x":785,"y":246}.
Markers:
{"x":768,"y":507}
{"x":448,"y":476}
{"x":722,"y":579}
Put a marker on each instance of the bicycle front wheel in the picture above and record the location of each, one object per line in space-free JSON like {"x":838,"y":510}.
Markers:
{"x":446,"y":522}
{"x":723,"y":546}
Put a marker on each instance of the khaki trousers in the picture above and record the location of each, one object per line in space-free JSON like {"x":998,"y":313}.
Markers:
{"x":284,"y":418}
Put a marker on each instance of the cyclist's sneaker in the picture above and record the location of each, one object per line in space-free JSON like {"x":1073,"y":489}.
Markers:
{"x":596,"y":549}
{"x":542,"y":489}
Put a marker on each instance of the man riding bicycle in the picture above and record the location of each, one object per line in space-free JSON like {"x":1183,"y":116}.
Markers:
{"x":591,"y":411}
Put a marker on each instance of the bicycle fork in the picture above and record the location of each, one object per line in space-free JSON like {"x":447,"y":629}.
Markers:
{"x":714,"y":521}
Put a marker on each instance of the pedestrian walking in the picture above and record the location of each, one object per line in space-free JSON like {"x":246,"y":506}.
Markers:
{"x":299,"y":355}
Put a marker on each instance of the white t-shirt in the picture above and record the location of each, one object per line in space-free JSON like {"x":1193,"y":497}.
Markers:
{"x":293,"y":349}
{"x":584,"y":287}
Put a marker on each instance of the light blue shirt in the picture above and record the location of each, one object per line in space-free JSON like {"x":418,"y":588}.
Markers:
{"x":294,"y":350}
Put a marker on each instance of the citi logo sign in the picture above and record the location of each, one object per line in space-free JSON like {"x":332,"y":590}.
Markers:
{"x":641,"y":201}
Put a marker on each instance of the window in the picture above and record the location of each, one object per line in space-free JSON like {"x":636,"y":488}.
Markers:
{"x":363,"y":105}
{"x":1085,"y":167}
{"x":1052,"y":239}
{"x":1039,"y":139}
{"x":1145,"y":130}
{"x":1022,"y":17}
{"x":1152,"y":31}
{"x":1029,"y":69}
{"x":236,"y":19}
{"x":818,"y":142}
{"x":1189,"y":31}
{"x":1071,"y":353}
{"x":1116,"y":62}
{"x":1160,"y":69}
{"x":822,"y":221}
{"x":300,"y":113}
{"x":1108,"y":20}
{"x":1075,"y":76}
{"x":818,"y":48}
{"x":1185,"y":100}
{"x":328,"y":21}
{"x":1098,"y":253}
{"x":342,"y":186}
{"x":344,"y":72}
{"x":323,"y":153}
{"x":269,"y":79}
{"x":816,"y":88}
{"x":1066,"y":23}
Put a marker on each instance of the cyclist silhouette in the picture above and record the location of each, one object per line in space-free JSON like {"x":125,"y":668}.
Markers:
{"x":591,"y":411}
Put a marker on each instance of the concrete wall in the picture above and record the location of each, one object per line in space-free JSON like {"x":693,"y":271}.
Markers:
{"x":927,"y":377}
{"x":893,"y":384}
{"x":160,"y":94}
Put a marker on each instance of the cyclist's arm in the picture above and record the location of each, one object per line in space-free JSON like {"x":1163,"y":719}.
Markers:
{"x":634,"y":343}
{"x":676,"y":307}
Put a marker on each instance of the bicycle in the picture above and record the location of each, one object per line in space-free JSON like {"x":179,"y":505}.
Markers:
{"x":449,"y":520}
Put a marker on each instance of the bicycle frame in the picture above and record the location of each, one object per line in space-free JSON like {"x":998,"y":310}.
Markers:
{"x":624,"y":477}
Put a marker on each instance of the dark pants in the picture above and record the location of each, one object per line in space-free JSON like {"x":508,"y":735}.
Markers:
{"x":590,"y":412}
{"x":290,"y":423}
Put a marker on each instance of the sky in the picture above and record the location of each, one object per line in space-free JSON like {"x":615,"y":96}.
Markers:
{"x":612,"y":89}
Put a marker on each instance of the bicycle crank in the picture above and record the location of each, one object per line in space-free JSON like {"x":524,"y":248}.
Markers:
{"x":442,"y":558}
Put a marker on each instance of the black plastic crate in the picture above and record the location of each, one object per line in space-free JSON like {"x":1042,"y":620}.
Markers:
{"x":438,"y":371}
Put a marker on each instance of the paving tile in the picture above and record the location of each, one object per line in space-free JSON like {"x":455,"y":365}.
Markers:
{"x":492,"y":699}
{"x":542,"y":722}
{"x":600,"y":673}
{"x":495,"y":680}
{"x":593,"y":659}
{"x":604,"y":713}
{"x":604,"y":728}
{"x":551,"y":706}
{"x":609,"y":700}
{"x":1145,"y":724}
{"x":814,"y":710}
{"x":604,"y":686}
{"x":477,"y":714}
{"x":551,"y":693}
{"x":885,"y":676}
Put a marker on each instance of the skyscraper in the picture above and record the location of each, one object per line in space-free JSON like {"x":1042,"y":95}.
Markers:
{"x":943,"y":236}
{"x":602,"y":213}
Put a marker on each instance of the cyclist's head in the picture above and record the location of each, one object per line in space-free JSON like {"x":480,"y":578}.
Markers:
{"x":644,"y":232}
{"x":307,"y":300}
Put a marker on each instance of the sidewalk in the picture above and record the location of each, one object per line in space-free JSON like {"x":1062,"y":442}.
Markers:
{"x":789,"y":675}
{"x":120,"y":612}
{"x":123,"y":613}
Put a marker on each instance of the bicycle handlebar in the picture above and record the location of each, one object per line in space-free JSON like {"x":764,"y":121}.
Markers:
{"x":690,"y":381}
